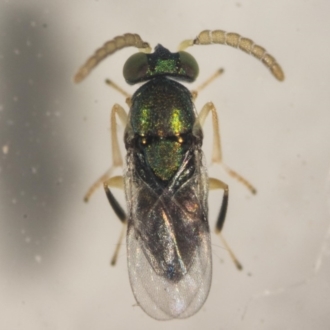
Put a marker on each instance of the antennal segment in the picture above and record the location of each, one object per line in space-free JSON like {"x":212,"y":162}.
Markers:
{"x":208,"y":37}
{"x":109,"y":48}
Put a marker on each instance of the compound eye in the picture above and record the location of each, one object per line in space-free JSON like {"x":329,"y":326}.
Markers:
{"x":135,"y":68}
{"x":189,"y":65}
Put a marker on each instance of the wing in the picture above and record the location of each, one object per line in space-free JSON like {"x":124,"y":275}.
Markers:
{"x":168,"y":242}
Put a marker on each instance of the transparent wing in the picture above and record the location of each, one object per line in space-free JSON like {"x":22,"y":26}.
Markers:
{"x":168,"y":244}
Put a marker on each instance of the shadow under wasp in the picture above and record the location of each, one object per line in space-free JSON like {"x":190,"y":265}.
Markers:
{"x":165,"y":178}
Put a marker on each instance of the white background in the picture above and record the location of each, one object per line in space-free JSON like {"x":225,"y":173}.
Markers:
{"x":54,"y":139}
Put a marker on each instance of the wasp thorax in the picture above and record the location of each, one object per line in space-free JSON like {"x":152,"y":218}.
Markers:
{"x":162,"y":110}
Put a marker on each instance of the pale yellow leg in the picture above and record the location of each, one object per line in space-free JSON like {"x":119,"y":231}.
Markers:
{"x":97,"y":184}
{"x":207,"y":82}
{"x":230,"y":251}
{"x":114,"y":182}
{"x":117,"y":88}
{"x":117,"y":160}
{"x":217,"y":151}
{"x":217,"y":184}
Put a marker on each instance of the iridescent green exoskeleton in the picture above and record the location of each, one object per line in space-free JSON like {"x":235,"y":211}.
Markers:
{"x":165,"y":178}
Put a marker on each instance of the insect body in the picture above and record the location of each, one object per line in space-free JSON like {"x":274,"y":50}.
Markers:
{"x":165,"y":180}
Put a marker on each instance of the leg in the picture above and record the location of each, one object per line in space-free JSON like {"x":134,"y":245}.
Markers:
{"x":195,"y":92}
{"x":117,"y":88}
{"x":120,"y":90}
{"x":217,"y":152}
{"x":116,"y":154}
{"x":217,"y":184}
{"x":97,"y":184}
{"x":116,"y":182}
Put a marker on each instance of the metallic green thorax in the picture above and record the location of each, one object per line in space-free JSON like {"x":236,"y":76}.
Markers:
{"x":162,"y":107}
{"x":162,"y":113}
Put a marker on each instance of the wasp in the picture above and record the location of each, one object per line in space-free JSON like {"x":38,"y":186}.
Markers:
{"x":165,"y":177}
